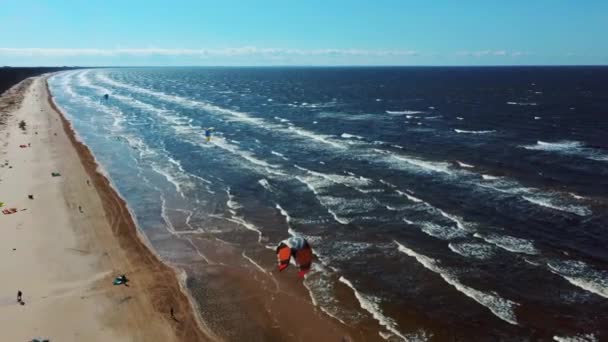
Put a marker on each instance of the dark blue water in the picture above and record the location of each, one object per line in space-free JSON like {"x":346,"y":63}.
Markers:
{"x":465,"y":203}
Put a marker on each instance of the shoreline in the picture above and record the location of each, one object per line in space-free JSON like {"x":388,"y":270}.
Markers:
{"x":69,"y":235}
{"x":135,"y":242}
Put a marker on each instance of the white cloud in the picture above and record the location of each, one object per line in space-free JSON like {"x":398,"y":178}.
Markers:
{"x":225,"y":52}
{"x":486,"y":53}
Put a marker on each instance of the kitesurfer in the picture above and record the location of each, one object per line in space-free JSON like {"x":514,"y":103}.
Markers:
{"x":208,"y":132}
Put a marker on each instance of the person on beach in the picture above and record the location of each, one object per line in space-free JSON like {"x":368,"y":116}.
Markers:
{"x":19,"y":295}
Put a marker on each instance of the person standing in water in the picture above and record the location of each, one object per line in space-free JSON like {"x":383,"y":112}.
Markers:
{"x":208,"y":133}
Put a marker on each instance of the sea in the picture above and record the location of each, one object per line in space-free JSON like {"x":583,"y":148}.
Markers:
{"x":442,"y":203}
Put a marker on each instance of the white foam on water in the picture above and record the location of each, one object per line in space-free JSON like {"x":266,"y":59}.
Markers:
{"x":372,"y":305}
{"x":582,"y":275}
{"x":553,"y":200}
{"x":440,"y":231}
{"x":312,"y":188}
{"x":568,"y":147}
{"x":417,"y":164}
{"x":554,"y":146}
{"x":351,"y":136}
{"x":281,"y":119}
{"x":509,"y":243}
{"x":350,"y":181}
{"x":403,"y":112}
{"x":232,"y":114}
{"x":279,"y":155}
{"x":465,"y":165}
{"x":264,"y":183}
{"x":408,"y":221}
{"x":537,"y":118}
{"x":320,"y":288}
{"x":489,"y":177}
{"x":387,"y":183}
{"x":284,"y":213}
{"x":459,"y":118}
{"x":231,"y":203}
{"x":480,"y":251}
{"x":578,"y":197}
{"x":409,"y":197}
{"x":501,"y":307}
{"x":258,"y":266}
{"x":549,"y":203}
{"x":513,"y":103}
{"x":247,"y":225}
{"x":316,"y":137}
{"x":473,"y":132}
{"x":576,"y":338}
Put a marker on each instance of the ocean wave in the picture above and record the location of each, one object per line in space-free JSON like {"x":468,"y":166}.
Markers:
{"x":552,"y":204}
{"x":473,"y":132}
{"x":582,"y":275}
{"x":552,"y":200}
{"x":351,"y":180}
{"x":409,"y":163}
{"x":247,"y":225}
{"x":371,"y":304}
{"x":264,"y":183}
{"x":501,"y":307}
{"x":351,"y":136}
{"x":233,"y":114}
{"x":513,"y":103}
{"x":576,"y":338}
{"x":403,"y":112}
{"x":320,"y":287}
{"x":509,"y":243}
{"x":258,"y":266}
{"x":280,"y":155}
{"x":311,"y":186}
{"x":568,"y":147}
{"x":440,"y":231}
{"x":465,"y":165}
{"x":410,"y":197}
{"x":480,"y":251}
{"x":316,"y":137}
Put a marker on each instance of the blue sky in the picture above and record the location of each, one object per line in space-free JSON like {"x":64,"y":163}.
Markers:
{"x":310,"y":32}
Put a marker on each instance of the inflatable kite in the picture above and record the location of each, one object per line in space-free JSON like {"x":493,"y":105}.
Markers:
{"x":299,"y":249}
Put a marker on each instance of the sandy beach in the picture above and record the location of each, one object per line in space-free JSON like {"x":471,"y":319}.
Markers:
{"x":63,"y":247}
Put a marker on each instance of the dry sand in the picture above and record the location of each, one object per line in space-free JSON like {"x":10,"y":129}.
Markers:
{"x":64,"y":259}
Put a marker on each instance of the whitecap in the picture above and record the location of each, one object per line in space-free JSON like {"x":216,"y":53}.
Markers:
{"x":403,"y":112}
{"x":371,"y":304}
{"x":473,"y":250}
{"x":551,"y":204}
{"x":582,"y":275}
{"x":509,"y":243}
{"x":473,"y":132}
{"x":501,"y":307}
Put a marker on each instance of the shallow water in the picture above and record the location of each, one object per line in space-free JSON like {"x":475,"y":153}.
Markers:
{"x":440,"y":202}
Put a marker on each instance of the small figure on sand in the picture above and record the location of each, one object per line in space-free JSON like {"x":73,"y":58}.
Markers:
{"x":121,"y":280}
{"x":80,"y":209}
{"x":19,"y":295}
